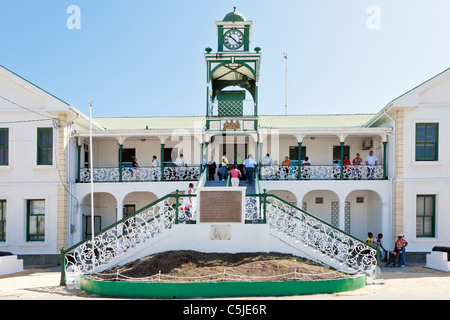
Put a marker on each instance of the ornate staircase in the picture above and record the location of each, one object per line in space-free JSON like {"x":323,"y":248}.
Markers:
{"x":281,"y":224}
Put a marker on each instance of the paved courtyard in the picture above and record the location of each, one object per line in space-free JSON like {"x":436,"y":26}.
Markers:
{"x":414,"y":282}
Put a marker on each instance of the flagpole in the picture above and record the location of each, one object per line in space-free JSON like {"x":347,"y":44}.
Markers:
{"x":285,"y":103}
{"x":92,"y":184}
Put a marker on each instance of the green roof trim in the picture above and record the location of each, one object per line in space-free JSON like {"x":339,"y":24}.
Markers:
{"x":314,"y":121}
{"x":264,"y":121}
{"x":152,"y":123}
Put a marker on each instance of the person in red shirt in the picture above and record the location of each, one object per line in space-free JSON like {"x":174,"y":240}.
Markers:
{"x":358,"y":160}
{"x":235,"y":174}
{"x":400,"y":245}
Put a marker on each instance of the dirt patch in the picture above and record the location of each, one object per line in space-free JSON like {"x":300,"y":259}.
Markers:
{"x":192,"y":266}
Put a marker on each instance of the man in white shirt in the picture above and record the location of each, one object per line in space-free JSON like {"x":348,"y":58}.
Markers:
{"x":155,"y":166}
{"x":155,"y":163}
{"x":371,"y":159}
{"x":267,"y":160}
{"x":180,"y":162}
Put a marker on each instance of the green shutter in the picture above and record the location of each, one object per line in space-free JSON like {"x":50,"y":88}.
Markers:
{"x":45,"y":146}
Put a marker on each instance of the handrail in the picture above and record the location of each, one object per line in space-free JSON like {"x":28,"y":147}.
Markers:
{"x":115,"y":232}
{"x":338,"y":244}
{"x":161,"y":214}
{"x":318,"y":219}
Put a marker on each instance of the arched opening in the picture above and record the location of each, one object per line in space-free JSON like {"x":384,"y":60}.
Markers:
{"x":135,"y":201}
{"x":365,"y":213}
{"x":286,"y":195}
{"x":322,"y":204}
{"x":105,"y":208}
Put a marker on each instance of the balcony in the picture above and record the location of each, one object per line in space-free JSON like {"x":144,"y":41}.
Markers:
{"x":140,"y":174}
{"x":322,"y":172}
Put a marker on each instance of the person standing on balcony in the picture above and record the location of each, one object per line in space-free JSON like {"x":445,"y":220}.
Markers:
{"x":249,"y":167}
{"x":235,"y":174}
{"x":357,"y":160}
{"x":155,"y":166}
{"x":181,"y":162}
{"x":371,"y":161}
{"x":306,"y":171}
{"x":135,"y":166}
{"x":267,"y":161}
{"x":286,"y":163}
{"x":346,"y":163}
{"x":224,"y":166}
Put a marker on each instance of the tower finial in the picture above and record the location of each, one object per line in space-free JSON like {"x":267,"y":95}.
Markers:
{"x":234,"y":9}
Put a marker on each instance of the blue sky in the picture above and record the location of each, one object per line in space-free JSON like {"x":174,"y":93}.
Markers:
{"x":146,"y":57}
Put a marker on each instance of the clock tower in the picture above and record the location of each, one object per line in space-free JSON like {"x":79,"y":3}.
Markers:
{"x":232,"y":77}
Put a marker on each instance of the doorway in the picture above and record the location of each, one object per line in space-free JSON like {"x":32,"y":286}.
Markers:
{"x":236,"y":148}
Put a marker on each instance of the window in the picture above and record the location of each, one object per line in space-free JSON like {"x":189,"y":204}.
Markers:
{"x":36,"y":220}
{"x":45,"y":146}
{"x":88,"y":228}
{"x":128,"y":209}
{"x":293,"y":153}
{"x":170,"y":155}
{"x":3,"y":146}
{"x":2,"y":220}
{"x":337,"y":152}
{"x":425,"y":215}
{"x":427,"y":141}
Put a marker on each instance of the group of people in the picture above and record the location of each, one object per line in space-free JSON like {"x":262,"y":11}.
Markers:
{"x":399,"y":247}
{"x":370,"y":160}
{"x":238,"y":169}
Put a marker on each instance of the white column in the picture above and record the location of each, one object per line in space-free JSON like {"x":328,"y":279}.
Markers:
{"x":342,"y":214}
{"x":119,"y":214}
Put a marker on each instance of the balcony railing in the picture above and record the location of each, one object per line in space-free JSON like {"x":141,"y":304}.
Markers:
{"x":319,"y":172}
{"x":140,"y":174}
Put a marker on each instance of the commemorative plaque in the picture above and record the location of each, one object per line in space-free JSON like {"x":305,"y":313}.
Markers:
{"x":220,"y":206}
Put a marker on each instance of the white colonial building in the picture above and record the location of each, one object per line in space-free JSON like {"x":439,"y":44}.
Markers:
{"x":45,"y":150}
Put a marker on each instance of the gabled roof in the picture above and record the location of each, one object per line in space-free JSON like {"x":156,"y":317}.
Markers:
{"x":31,"y":83}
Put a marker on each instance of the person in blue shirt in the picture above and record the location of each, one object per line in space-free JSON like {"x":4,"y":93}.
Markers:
{"x":249,"y":167}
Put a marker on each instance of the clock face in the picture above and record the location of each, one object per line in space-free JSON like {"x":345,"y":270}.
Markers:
{"x":233,"y":39}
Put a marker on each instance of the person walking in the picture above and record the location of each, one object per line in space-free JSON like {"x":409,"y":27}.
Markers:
{"x":235,"y":174}
{"x":249,"y":167}
{"x":224,"y":166}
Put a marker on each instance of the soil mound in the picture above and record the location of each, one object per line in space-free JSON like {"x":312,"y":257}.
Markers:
{"x":193,"y":266}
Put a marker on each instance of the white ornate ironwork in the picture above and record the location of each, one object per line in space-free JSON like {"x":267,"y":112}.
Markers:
{"x":350,"y":172}
{"x":356,"y":256}
{"x":252,"y":209}
{"x":120,"y":237}
{"x":279,"y":172}
{"x":141,"y":174}
{"x":189,"y":173}
{"x":100,"y":175}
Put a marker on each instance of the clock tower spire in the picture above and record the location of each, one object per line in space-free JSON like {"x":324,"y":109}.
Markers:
{"x":233,"y":65}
